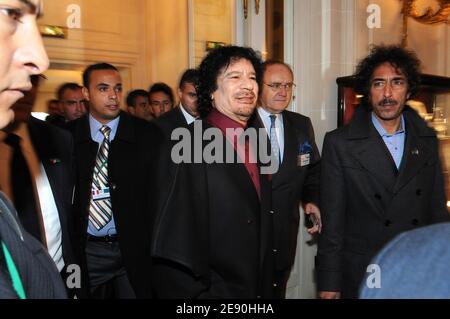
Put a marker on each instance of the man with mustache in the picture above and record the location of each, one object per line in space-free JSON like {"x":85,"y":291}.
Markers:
{"x":26,"y":269}
{"x":380,"y":174}
{"x":114,"y":155}
{"x":213,"y":234}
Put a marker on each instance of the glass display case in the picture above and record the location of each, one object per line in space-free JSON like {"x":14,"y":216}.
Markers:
{"x":432,"y":103}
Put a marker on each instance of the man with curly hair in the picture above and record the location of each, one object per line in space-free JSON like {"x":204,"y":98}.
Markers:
{"x":213,"y":235}
{"x":380,"y":174}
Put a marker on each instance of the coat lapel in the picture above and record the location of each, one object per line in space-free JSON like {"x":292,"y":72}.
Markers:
{"x":416,"y":153}
{"x":86,"y":150}
{"x":292,"y":140}
{"x":48,"y":154}
{"x":370,"y":151}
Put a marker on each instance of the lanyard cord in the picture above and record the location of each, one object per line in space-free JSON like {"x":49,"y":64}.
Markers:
{"x":14,"y":274}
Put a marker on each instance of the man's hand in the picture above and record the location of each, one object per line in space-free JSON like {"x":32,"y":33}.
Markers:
{"x":313,"y":213}
{"x":329,"y":295}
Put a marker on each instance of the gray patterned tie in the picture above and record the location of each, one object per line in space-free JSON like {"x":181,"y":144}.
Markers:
{"x":100,"y":211}
{"x":273,"y":138}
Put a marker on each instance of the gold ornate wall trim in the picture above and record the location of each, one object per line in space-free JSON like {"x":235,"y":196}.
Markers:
{"x":409,"y":10}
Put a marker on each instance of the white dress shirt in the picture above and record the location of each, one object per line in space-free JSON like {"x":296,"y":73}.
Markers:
{"x":279,"y":127}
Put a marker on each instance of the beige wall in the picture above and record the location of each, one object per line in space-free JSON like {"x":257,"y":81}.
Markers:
{"x":211,"y":21}
{"x":166,"y":40}
{"x":146,"y":39}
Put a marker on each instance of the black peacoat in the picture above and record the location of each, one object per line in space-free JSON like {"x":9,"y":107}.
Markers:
{"x":365,"y":201}
{"x":213,"y":234}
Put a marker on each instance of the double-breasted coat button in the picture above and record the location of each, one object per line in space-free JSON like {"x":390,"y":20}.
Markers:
{"x":275,"y":251}
{"x":387,"y":223}
{"x":419,"y":192}
{"x":113,"y":186}
{"x":249,"y":221}
{"x":271,"y":212}
{"x":415,"y":222}
{"x":275,"y":285}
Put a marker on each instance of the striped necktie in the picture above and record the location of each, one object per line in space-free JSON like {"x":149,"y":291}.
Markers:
{"x":100,"y":210}
{"x":274,"y":139}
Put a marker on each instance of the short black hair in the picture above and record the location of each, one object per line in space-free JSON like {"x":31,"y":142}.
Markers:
{"x":400,"y":58}
{"x":131,"y":97}
{"x":189,"y":76}
{"x":67,"y":86}
{"x":95,"y":67}
{"x":211,"y":66}
{"x":162,"y":87}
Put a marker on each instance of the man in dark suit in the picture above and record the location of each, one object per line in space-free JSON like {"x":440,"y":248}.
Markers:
{"x":297,"y":178}
{"x":44,"y":200}
{"x":187,"y":110}
{"x":23,"y":260}
{"x":213,"y":235}
{"x":380,"y":175}
{"x":138,"y":105}
{"x":161,"y":98}
{"x":114,"y":155}
{"x":71,"y":103}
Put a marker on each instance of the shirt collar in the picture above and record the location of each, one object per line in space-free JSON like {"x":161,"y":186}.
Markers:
{"x":381,"y":129}
{"x":189,"y":118}
{"x":96,"y":125}
{"x":265,"y":116}
{"x":222,"y":122}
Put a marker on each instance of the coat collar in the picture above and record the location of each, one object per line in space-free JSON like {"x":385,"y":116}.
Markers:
{"x":44,"y":143}
{"x":374,"y":156}
{"x":359,"y":126}
{"x":125,"y":130}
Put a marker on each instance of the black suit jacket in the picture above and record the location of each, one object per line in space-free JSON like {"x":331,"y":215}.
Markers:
{"x":365,"y":201}
{"x":167,"y":123}
{"x":57,"y":120}
{"x":40,"y":278}
{"x":213,"y":235}
{"x":54,"y":148}
{"x":291,"y":185}
{"x":130,"y":162}
{"x":170,"y":121}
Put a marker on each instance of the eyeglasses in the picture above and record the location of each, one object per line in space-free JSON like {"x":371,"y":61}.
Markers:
{"x":277,"y":86}
{"x":396,"y":84}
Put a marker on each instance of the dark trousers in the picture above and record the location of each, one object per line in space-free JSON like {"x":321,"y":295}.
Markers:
{"x":107,"y":276}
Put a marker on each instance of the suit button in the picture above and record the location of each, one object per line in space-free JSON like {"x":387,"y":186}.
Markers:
{"x":249,"y":221}
{"x":415,"y":222}
{"x":378,"y":196}
{"x":275,"y":251}
{"x":272,"y":212}
{"x":275,"y":285}
{"x":113,"y":186}
{"x":419,"y":192}
{"x":387,"y":223}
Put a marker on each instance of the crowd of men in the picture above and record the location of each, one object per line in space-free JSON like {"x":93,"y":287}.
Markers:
{"x":106,"y":209}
